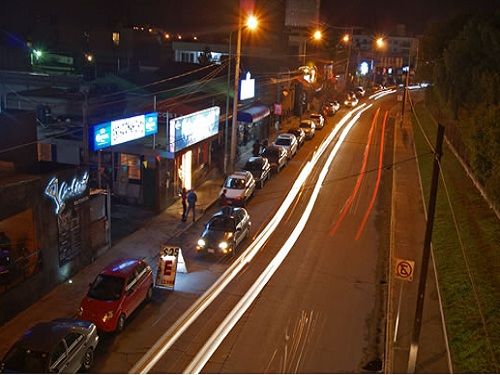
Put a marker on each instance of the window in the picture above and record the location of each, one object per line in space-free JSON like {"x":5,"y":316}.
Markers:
{"x":58,"y":355}
{"x":133,"y":165}
{"x":116,"y":38}
{"x":72,"y":341}
{"x":140,"y":271}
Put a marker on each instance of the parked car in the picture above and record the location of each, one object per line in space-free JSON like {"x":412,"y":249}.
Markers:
{"x":299,"y":134}
{"x":239,"y":187}
{"x":335,"y":104}
{"x":224,"y":231}
{"x":260,"y":169}
{"x":318,"y":119}
{"x":360,"y":91}
{"x":277,"y":156}
{"x":289,"y":142}
{"x":309,"y":127}
{"x":351,"y":100}
{"x":58,"y":346}
{"x":116,"y":292}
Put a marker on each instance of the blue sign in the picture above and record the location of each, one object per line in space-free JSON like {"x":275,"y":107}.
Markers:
{"x":124,"y":130}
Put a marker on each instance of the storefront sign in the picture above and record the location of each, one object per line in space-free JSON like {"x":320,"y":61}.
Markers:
{"x":247,"y":90}
{"x":61,"y":193}
{"x":167,"y":267}
{"x":193,"y":128}
{"x":124,"y":130}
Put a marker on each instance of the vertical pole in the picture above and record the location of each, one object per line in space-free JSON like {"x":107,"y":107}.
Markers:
{"x":235,"y":98}
{"x":226,"y":124}
{"x":405,"y":89}
{"x":415,"y":337}
{"x":108,"y":212}
{"x":85,"y":128}
{"x":304,"y":50}
{"x":99,"y":157}
{"x":348,"y":59}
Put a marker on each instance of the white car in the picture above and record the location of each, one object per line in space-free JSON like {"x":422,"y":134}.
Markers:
{"x":239,"y":187}
{"x":361,"y":91}
{"x":309,"y":127}
{"x":318,"y":119}
{"x":289,"y":142}
{"x":351,"y":101}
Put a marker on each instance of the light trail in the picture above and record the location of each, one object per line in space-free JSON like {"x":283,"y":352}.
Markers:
{"x":361,"y":175}
{"x":381,"y":94}
{"x":165,"y":342}
{"x":377,"y":185}
{"x":244,"y":303}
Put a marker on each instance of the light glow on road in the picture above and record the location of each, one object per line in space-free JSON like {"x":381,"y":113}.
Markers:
{"x":242,"y":306}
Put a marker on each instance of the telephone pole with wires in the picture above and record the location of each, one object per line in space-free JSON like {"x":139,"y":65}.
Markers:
{"x":417,"y":325}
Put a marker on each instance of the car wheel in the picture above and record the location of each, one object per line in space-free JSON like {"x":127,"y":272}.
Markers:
{"x":121,"y":323}
{"x":149,"y":294}
{"x":88,"y":359}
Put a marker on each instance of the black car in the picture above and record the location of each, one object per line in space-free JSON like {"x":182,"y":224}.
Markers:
{"x":277,"y":156}
{"x":224,"y":231}
{"x":260,"y":168}
{"x":59,"y":346}
{"x":299,"y":134}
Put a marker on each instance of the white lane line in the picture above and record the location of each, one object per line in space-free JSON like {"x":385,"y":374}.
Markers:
{"x":242,"y":306}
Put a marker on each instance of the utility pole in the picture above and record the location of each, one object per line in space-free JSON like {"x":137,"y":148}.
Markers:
{"x":351,"y":37}
{"x":226,"y":123}
{"x":405,"y":89}
{"x":415,"y":337}
{"x":234,"y":128}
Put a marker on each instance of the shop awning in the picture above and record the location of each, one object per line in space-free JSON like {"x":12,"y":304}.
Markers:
{"x":253,"y":114}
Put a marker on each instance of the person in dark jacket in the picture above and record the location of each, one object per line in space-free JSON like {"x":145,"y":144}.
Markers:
{"x":191,"y":200}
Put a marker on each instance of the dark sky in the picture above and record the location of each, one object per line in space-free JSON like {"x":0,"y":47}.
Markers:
{"x":186,"y":15}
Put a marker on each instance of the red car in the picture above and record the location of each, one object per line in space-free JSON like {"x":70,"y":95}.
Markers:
{"x":116,"y":292}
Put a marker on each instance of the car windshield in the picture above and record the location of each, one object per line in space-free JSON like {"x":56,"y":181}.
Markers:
{"x":235,"y":183}
{"x":283,"y":141}
{"x":315,"y":116}
{"x":253,"y":165}
{"x":221,"y":224}
{"x":305,"y":125}
{"x":26,"y":361}
{"x":106,"y":288}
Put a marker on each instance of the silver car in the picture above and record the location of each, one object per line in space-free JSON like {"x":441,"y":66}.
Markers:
{"x":59,"y":346}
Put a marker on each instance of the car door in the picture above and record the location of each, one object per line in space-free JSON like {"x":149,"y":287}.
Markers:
{"x":75,"y":342}
{"x":239,"y":233}
{"x":131,"y":295}
{"x":58,"y":356}
{"x":142,"y":281}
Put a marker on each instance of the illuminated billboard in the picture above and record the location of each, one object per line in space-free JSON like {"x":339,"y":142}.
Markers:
{"x":190,"y":129}
{"x":247,"y":88}
{"x":114,"y":132}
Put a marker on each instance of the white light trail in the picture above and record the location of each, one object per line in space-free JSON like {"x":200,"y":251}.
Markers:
{"x":244,"y":303}
{"x":381,"y":94}
{"x":165,"y":342}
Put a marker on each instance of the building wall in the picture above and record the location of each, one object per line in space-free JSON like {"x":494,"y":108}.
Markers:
{"x":43,"y":271}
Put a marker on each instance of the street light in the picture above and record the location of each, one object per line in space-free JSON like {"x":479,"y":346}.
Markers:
{"x":316,"y":36}
{"x":380,"y":43}
{"x":251,"y":23}
{"x":347,"y":40}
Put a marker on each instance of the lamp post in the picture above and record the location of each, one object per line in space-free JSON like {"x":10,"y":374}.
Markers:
{"x":316,"y":36}
{"x":251,"y":23}
{"x":347,"y":39}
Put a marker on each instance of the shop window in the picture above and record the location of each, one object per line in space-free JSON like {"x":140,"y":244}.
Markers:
{"x":19,"y":255}
{"x":133,"y":165}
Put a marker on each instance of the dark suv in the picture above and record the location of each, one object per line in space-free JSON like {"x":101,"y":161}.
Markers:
{"x":224,"y":231}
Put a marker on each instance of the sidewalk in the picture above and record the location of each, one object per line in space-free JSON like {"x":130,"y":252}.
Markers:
{"x":64,"y":300}
{"x":407,"y":236}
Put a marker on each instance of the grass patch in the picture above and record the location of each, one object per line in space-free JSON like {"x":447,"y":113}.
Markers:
{"x":472,"y":349}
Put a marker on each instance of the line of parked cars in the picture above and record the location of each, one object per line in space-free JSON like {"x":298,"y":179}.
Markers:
{"x":67,"y":345}
{"x":227,"y":228}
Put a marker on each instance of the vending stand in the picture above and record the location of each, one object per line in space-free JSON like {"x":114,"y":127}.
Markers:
{"x":170,"y":262}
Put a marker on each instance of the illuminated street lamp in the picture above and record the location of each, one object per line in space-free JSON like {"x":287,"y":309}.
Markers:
{"x":252,"y":24}
{"x":380,"y":43}
{"x":317,"y":36}
{"x":346,"y":38}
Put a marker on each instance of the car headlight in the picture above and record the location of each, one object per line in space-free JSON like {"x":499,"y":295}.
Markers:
{"x":201,"y":242}
{"x":223,"y":245}
{"x":107,"y":316}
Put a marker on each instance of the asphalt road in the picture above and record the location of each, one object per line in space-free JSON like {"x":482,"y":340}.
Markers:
{"x":324,"y":308}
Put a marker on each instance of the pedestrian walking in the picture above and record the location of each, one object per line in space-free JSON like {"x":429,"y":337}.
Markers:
{"x":223,"y":199}
{"x":191,"y":200}
{"x":184,"y":203}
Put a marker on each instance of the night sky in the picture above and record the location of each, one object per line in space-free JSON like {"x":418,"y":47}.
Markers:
{"x":203,"y":15}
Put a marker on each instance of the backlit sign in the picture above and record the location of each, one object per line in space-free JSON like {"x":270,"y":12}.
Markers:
{"x":190,"y":129}
{"x":247,"y":90}
{"x":60,"y":193}
{"x":124,"y":130}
